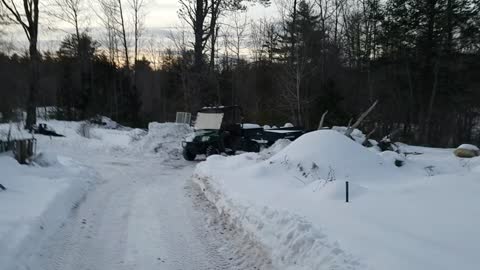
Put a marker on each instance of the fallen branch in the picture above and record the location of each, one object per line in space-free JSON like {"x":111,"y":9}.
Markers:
{"x":350,"y":129}
{"x":392,"y":134}
{"x":366,"y":142}
{"x":350,"y":123}
{"x":320,"y":125}
{"x":386,"y":143}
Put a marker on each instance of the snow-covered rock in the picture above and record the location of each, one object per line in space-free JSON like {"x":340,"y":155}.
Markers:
{"x":467,"y":151}
{"x":393,"y":158}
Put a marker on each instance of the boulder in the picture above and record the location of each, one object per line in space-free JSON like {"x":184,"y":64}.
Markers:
{"x":467,"y":151}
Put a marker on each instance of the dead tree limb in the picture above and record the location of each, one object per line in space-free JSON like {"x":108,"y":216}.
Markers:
{"x":350,"y":129}
{"x":392,"y":134}
{"x":366,"y":142}
{"x":350,"y":123}
{"x":320,"y":125}
{"x":386,"y":143}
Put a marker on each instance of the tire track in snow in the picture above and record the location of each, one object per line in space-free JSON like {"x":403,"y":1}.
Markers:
{"x":144,"y":215}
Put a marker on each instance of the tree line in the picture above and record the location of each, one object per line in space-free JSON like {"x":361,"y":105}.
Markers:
{"x":419,"y":58}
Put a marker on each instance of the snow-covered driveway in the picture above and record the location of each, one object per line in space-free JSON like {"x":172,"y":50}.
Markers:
{"x":140,"y":216}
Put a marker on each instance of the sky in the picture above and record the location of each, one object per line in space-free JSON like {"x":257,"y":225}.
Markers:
{"x":163,"y":13}
{"x":161,"y":18}
{"x":167,"y":11}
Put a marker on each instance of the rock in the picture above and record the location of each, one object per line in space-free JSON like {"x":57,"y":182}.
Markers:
{"x":393,"y":157}
{"x":467,"y":151}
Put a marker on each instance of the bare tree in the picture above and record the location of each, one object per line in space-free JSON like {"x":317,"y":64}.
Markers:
{"x":123,"y":32}
{"x":137,"y":7}
{"x":71,"y":12}
{"x":238,"y":27}
{"x":107,"y":16}
{"x":256,"y":39}
{"x":198,"y":14}
{"x":189,"y":87}
{"x":202,"y":16}
{"x":154,"y":52}
{"x":114,"y":20}
{"x":26,"y":14}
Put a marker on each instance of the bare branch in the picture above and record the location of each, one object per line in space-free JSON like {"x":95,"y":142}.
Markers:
{"x":320,"y":125}
{"x":360,"y":119}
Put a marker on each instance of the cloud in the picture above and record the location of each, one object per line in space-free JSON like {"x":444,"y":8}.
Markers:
{"x":167,"y":6}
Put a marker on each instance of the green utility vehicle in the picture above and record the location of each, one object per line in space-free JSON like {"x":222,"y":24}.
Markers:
{"x":221,"y":130}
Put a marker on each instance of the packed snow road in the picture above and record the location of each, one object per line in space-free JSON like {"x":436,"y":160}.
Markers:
{"x":142,"y":215}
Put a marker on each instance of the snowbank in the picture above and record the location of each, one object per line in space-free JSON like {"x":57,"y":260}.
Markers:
{"x":423,"y":215}
{"x":164,"y":139}
{"x":316,"y":155}
{"x":13,"y":131}
{"x":357,"y":134}
{"x":37,"y":201}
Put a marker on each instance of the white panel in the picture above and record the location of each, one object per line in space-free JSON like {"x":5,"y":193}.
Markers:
{"x":209,"y":120}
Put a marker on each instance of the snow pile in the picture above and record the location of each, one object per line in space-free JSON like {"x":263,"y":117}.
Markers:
{"x":276,"y":147}
{"x":357,"y":134}
{"x":13,"y":131}
{"x":45,"y":159}
{"x":423,"y":215}
{"x":108,"y":123}
{"x":39,"y":200}
{"x":82,"y":136}
{"x":164,"y":139}
{"x":161,"y":138}
{"x":317,"y":154}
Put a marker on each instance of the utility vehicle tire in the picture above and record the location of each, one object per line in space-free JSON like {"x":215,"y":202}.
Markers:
{"x":253,"y":147}
{"x":187,"y":155}
{"x":211,"y":151}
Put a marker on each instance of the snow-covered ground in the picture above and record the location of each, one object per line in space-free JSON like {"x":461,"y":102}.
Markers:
{"x":36,"y":202}
{"x":423,"y":215}
{"x":112,"y":198}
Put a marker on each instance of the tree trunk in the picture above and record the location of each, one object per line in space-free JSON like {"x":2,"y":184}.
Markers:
{"x":33,"y":89}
